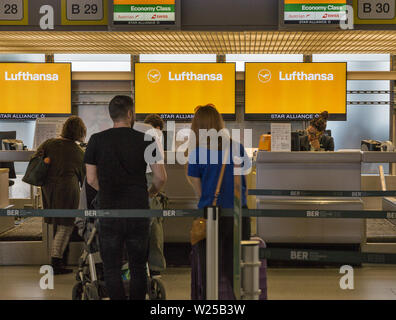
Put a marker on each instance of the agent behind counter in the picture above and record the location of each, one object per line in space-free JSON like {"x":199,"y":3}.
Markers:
{"x":315,"y":139}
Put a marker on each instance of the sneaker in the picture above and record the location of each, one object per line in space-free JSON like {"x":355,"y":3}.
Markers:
{"x":58,"y":267}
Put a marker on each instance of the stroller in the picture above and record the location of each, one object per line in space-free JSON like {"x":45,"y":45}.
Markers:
{"x":90,"y":280}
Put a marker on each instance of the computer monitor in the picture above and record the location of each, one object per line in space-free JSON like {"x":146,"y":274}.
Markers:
{"x":9,"y":165}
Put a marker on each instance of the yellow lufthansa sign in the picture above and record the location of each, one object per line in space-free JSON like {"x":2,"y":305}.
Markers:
{"x":39,"y":88}
{"x":295,"y":88}
{"x":178,"y":88}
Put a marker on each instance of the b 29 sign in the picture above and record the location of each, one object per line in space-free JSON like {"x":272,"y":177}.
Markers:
{"x":84,"y":10}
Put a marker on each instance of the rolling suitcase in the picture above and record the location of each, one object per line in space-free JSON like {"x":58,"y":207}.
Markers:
{"x":198,"y":275}
{"x":263,"y":270}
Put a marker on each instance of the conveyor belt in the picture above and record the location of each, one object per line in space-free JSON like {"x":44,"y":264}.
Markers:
{"x":30,"y":229}
{"x":381,"y":231}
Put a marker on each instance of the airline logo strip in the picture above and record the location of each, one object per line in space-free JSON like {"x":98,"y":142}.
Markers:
{"x":144,"y":11}
{"x":295,"y":88}
{"x":314,"y":11}
{"x":178,"y":88}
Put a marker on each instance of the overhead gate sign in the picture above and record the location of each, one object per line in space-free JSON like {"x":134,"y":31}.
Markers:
{"x":144,"y":12}
{"x":374,"y":12}
{"x":314,"y":11}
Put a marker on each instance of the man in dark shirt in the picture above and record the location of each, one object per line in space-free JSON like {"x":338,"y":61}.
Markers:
{"x":116,"y":167}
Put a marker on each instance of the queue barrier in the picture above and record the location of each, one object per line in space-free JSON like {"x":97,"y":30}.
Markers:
{"x":197,"y":213}
{"x":329,"y":214}
{"x":212,"y":235}
{"x":321,"y":193}
{"x":114,"y":213}
{"x":345,"y":257}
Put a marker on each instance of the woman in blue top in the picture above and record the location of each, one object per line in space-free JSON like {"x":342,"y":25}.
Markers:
{"x":205,"y":162}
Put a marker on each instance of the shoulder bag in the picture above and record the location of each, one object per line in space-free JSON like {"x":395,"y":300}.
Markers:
{"x":198,"y":229}
{"x":37,"y":170}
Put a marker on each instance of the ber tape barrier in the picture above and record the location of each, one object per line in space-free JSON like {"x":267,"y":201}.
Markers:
{"x":320,"y":193}
{"x":116,"y":213}
{"x":195,"y":213}
{"x":265,"y":253}
{"x":345,"y":257}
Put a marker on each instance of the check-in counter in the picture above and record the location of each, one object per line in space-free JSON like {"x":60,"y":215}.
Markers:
{"x":310,"y":171}
{"x":13,"y":155}
{"x":6,"y":223}
{"x":373,"y":182}
{"x":389,"y":204}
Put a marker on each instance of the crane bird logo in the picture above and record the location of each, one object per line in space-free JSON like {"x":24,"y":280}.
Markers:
{"x":154,"y":76}
{"x":264,"y":75}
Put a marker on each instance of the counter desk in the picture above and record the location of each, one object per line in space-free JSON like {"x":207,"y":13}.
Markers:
{"x":7,"y":223}
{"x":332,"y":171}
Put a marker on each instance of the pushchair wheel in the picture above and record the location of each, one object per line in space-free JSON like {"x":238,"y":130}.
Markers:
{"x":91,"y":292}
{"x":156,"y":289}
{"x":77,"y":292}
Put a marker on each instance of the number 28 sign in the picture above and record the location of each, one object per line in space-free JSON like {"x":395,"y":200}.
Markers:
{"x":13,"y":12}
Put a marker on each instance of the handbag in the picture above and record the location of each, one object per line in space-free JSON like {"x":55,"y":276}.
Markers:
{"x":36,"y":172}
{"x":198,"y":229}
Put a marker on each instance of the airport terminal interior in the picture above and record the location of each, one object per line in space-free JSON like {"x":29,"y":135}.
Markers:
{"x":269,"y":73}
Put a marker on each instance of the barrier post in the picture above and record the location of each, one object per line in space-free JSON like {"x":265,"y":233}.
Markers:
{"x":250,"y":282}
{"x":237,"y":235}
{"x":212,"y":253}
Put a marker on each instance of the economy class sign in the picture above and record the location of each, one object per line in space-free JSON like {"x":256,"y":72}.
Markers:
{"x":295,"y":88}
{"x":177,"y":88}
{"x":35,"y":88}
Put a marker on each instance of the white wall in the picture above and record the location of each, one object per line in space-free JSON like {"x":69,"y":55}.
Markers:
{"x":240,"y":59}
{"x":96,"y":62}
{"x":177,"y":58}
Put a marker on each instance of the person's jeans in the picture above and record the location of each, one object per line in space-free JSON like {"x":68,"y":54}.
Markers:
{"x":113,"y":234}
{"x":156,"y":257}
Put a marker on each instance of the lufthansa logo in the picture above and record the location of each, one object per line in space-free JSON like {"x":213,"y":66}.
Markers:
{"x":264,"y":75}
{"x":154,"y":76}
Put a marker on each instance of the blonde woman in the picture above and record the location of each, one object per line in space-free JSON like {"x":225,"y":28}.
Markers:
{"x":204,"y":167}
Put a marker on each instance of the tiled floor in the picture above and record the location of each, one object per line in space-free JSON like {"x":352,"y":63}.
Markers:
{"x":311,"y":284}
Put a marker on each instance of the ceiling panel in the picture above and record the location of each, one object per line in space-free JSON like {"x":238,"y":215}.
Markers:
{"x":275,"y":42}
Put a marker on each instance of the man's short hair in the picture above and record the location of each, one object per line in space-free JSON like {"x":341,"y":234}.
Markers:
{"x":119,"y":107}
{"x":155,"y":120}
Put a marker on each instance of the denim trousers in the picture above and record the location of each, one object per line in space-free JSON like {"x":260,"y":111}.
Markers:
{"x":114,"y":235}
